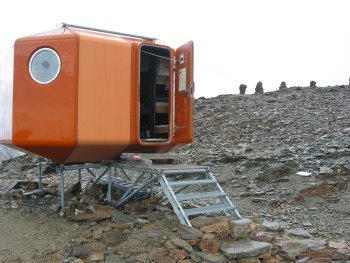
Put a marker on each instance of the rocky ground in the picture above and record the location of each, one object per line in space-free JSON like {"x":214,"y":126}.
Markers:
{"x":260,"y":142}
{"x":254,"y":144}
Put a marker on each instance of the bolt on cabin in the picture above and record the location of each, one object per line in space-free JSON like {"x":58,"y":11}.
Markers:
{"x":77,"y":94}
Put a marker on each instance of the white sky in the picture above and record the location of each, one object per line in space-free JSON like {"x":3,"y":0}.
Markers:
{"x":236,"y":42}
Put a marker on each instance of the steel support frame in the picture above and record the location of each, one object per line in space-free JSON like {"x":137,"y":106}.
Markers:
{"x":147,"y":178}
{"x":107,"y":169}
{"x":79,"y":167}
{"x":138,"y":185}
{"x":154,"y":175}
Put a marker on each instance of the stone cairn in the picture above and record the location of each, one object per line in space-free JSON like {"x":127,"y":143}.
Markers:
{"x":259,"y":88}
{"x":242,"y":89}
{"x":283,"y":85}
{"x":312,"y":84}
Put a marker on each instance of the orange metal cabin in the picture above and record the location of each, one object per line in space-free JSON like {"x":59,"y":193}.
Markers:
{"x":82,"y":95}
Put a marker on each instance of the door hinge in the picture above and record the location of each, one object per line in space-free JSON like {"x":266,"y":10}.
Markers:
{"x":182,"y":58}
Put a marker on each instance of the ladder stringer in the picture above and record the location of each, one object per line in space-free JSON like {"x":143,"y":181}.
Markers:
{"x":173,"y":188}
{"x":226,"y":199}
{"x":174,"y":202}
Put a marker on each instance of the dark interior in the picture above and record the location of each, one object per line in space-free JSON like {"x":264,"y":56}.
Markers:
{"x":154,"y":93}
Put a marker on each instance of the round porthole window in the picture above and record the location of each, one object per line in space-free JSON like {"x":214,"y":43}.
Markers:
{"x":44,"y":65}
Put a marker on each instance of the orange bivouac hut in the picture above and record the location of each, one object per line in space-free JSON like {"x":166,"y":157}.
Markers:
{"x":78,"y":94}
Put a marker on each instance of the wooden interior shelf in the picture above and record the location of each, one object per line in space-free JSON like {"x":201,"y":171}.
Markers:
{"x":161,"y":129}
{"x":161,"y":107}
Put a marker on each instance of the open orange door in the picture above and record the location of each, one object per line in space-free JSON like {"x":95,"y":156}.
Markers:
{"x":184,"y":88}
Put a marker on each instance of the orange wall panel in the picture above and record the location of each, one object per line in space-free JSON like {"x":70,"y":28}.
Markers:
{"x":103,"y":97}
{"x":44,"y":116}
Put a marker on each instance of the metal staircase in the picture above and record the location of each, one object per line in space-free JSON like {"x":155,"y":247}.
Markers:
{"x":191,"y":189}
{"x":198,"y":186}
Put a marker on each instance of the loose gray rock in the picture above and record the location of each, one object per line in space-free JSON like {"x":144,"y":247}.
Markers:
{"x":200,"y":221}
{"x":182,"y":243}
{"x":289,"y":250}
{"x":189,"y":233}
{"x":313,"y":245}
{"x":211,"y":257}
{"x":244,"y":249}
{"x":55,"y":207}
{"x":306,"y":223}
{"x":273,"y":226}
{"x":114,"y":259}
{"x":97,"y":256}
{"x":82,"y":251}
{"x":113,"y":237}
{"x":122,"y":218}
{"x":325,"y":170}
{"x":155,"y":233}
{"x":97,"y":233}
{"x":299,"y":232}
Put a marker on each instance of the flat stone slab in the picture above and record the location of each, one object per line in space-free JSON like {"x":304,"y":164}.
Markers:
{"x":114,"y":259}
{"x":182,"y":243}
{"x":122,"y":218}
{"x":189,"y":233}
{"x":289,"y":250}
{"x":211,"y":257}
{"x":201,"y":221}
{"x":244,"y":249}
{"x":314,"y":245}
{"x":82,"y":251}
{"x":273,"y":226}
{"x":299,"y":232}
{"x":100,"y":213}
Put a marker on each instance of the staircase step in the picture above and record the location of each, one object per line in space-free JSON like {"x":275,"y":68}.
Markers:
{"x":185,"y":171}
{"x":193,"y":196}
{"x":207,"y":209}
{"x":191,"y":182}
{"x":173,"y":188}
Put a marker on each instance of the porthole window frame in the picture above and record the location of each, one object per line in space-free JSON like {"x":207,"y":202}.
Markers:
{"x":32,"y":58}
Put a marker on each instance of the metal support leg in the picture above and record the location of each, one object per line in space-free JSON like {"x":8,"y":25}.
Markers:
{"x":98,"y":178}
{"x":62,"y":188}
{"x":132,"y":187}
{"x":109,"y":193}
{"x":40,"y":176}
{"x":79,"y":175}
{"x":126,"y":176}
{"x":151,"y":189}
{"x":88,"y":169}
{"x":125,"y":198}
